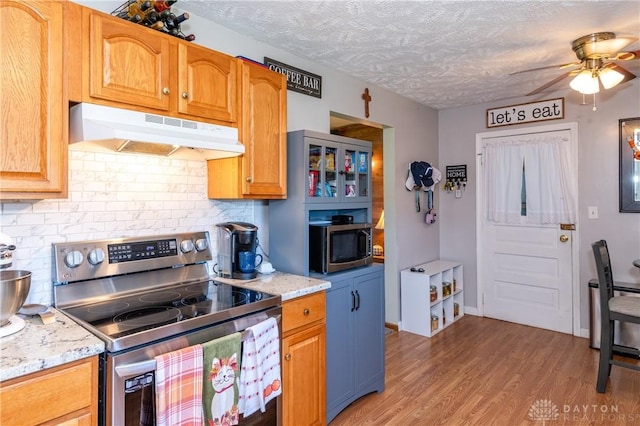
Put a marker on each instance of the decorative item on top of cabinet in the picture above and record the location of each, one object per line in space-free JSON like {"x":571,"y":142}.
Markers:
{"x":303,"y":361}
{"x":420,"y":313}
{"x":33,"y":134}
{"x":355,"y":336}
{"x":131,"y":66}
{"x":63,"y":395}
{"x":261,"y":172}
{"x":156,"y":14}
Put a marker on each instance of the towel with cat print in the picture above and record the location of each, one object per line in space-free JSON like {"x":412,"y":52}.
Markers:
{"x":220,"y":384}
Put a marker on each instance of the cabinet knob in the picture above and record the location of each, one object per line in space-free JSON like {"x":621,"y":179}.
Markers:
{"x":165,"y":90}
{"x":249,"y":179}
{"x":287,"y":357}
{"x":185,"y":95}
{"x":306,"y":312}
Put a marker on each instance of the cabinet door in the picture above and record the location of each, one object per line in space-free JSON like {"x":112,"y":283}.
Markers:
{"x":67,"y":394}
{"x":340,"y":346}
{"x":357,"y":173}
{"x":207,"y":83}
{"x":324,"y":179}
{"x":369,"y":330}
{"x":303,"y":374}
{"x":33,"y":136}
{"x":263,"y":131}
{"x":128,"y":64}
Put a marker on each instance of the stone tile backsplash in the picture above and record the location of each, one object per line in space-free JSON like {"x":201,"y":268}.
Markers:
{"x":110,"y":196}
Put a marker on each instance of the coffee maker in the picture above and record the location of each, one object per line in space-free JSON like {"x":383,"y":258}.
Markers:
{"x":234,"y":238}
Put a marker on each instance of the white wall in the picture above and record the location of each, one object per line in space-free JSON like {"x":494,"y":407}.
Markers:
{"x":411,"y":134}
{"x":597,"y":176}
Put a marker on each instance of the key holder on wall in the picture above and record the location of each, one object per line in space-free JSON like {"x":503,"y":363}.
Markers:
{"x":456,"y":179}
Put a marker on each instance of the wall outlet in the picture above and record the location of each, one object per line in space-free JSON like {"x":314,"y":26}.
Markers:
{"x":593,"y":212}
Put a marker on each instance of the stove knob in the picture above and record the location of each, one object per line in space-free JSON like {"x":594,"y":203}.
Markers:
{"x":186,"y":246}
{"x":73,"y":259}
{"x":96,"y":256}
{"x":201,"y":244}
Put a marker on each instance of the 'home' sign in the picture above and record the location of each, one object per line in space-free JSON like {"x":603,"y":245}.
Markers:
{"x":550,"y":109}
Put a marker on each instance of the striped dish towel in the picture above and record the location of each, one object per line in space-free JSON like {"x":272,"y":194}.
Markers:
{"x":179,"y":387}
{"x":260,"y":379}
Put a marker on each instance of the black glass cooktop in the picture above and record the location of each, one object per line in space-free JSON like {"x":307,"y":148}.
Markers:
{"x":131,"y":314}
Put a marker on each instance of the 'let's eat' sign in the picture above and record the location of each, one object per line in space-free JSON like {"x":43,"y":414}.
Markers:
{"x":550,"y":109}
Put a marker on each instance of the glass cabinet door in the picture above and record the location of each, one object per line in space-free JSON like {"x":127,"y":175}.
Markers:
{"x":356,"y":173}
{"x":322,"y":174}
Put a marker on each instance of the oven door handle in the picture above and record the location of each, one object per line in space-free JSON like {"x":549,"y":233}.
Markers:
{"x":135,"y":369}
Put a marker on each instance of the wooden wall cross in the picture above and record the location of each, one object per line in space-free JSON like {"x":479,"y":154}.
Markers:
{"x":367,"y":99}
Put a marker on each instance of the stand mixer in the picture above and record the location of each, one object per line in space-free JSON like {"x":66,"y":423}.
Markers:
{"x":14,"y":288}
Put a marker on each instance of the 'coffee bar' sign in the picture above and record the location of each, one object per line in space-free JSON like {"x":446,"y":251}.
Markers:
{"x":297,"y":80}
{"x":550,"y":109}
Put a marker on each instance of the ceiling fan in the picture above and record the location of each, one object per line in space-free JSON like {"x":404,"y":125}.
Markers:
{"x":597,"y":55}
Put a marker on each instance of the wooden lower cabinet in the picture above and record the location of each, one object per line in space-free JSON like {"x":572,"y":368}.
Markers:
{"x":65,"y":395}
{"x":303,"y":361}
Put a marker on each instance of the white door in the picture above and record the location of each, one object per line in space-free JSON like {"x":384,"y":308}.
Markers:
{"x":526,"y":272}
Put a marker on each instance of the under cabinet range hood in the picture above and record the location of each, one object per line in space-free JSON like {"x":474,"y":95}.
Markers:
{"x":120,"y":130}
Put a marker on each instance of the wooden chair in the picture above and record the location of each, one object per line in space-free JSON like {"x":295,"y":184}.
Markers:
{"x":612,"y":308}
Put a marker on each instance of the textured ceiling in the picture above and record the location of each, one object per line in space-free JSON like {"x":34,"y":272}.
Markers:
{"x":442,"y":54}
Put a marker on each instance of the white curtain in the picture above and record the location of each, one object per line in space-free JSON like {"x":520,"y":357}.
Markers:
{"x":547,"y":168}
{"x":503,"y":161}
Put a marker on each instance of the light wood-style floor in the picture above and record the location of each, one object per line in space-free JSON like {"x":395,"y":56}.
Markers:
{"x":482,"y":371}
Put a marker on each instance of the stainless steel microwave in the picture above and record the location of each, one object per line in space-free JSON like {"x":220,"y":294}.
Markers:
{"x":334,"y":248}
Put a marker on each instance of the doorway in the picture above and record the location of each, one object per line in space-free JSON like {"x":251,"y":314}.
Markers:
{"x":367,"y":132}
{"x":528,"y":273}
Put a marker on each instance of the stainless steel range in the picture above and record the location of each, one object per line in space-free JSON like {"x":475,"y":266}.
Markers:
{"x":148,"y":296}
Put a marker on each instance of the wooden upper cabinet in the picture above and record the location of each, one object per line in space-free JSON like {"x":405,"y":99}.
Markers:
{"x":126,"y":65}
{"x":207,"y":83}
{"x":33,"y":134}
{"x":131,"y":66}
{"x":261,"y":172}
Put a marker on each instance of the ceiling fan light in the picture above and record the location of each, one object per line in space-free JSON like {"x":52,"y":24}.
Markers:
{"x":610,"y":78}
{"x":585,"y":83}
{"x":605,"y":48}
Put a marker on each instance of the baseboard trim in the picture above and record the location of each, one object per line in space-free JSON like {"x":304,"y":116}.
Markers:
{"x":393,"y":327}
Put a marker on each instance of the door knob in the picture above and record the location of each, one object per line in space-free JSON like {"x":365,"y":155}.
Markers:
{"x":564,"y":238}
{"x":185,"y":95}
{"x":287,"y":357}
{"x":165,"y":90}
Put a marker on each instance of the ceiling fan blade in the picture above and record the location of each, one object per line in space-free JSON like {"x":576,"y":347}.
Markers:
{"x":560,"y":66}
{"x":551,"y":83}
{"x":627,"y":56}
{"x":626,"y":73}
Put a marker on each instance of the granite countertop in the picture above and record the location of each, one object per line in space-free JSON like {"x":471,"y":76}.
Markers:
{"x":287,"y":286}
{"x":39,"y":346}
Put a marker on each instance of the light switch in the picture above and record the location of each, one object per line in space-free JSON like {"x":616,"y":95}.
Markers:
{"x":458,"y":193}
{"x":593,"y":212}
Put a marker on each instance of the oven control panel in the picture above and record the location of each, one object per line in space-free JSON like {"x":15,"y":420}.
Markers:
{"x":84,"y":260}
{"x":144,"y":250}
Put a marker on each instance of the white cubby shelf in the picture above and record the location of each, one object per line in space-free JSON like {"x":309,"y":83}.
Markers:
{"x":417,"y":309}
